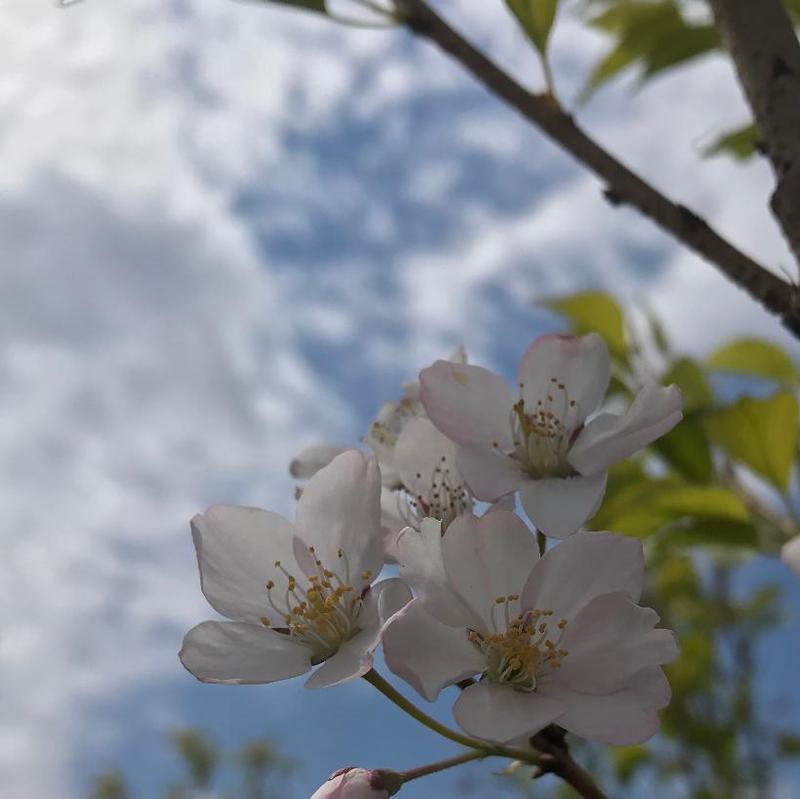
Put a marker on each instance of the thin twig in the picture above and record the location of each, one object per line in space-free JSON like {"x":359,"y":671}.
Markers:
{"x":622,"y":185}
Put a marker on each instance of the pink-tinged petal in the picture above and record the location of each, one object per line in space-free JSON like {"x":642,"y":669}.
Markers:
{"x":489,"y":473}
{"x":419,"y":554}
{"x":488,"y":558}
{"x":790,"y":553}
{"x":469,"y":404}
{"x":426,"y":654}
{"x":239,"y":653}
{"x":624,"y":718}
{"x":586,"y":565}
{"x":559,"y":506}
{"x":581,"y":365}
{"x":611,"y":639}
{"x":500,"y":714}
{"x":507,"y":503}
{"x":339,"y":511}
{"x":420,"y":452}
{"x":610,"y":438}
{"x":313,"y":458}
{"x":236,"y":552}
{"x":352,"y":783}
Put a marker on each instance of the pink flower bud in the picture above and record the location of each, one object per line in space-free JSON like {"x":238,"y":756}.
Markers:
{"x":359,"y":783}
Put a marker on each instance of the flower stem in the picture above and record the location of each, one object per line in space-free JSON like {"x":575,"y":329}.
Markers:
{"x":550,"y":758}
{"x":441,"y":765}
{"x":393,"y":695}
{"x":541,"y":540}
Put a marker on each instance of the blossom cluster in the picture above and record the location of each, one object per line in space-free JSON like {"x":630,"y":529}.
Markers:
{"x":530,"y":635}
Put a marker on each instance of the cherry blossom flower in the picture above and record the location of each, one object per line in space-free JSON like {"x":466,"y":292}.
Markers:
{"x":430,"y":485}
{"x":387,"y":428}
{"x":560,"y":638}
{"x":541,"y":442}
{"x":790,"y":553}
{"x":297,"y":595}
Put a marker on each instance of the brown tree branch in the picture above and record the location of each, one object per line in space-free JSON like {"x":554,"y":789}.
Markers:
{"x":761,"y":39}
{"x":557,"y":760}
{"x":622,"y":185}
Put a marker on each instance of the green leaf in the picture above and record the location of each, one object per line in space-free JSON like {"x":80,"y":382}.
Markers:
{"x":687,"y":450}
{"x":647,"y":506}
{"x":689,"y":377}
{"x":319,"y":6}
{"x":594,"y":312}
{"x":739,"y":143}
{"x":716,"y":532}
{"x":653,"y":35}
{"x":760,"y":433}
{"x":536,"y":18}
{"x":628,"y":760}
{"x":789,"y":745}
{"x":755,"y":357}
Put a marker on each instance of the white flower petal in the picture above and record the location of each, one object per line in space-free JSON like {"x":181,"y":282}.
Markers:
{"x":392,"y":596}
{"x":236,"y":552}
{"x":239,"y":653}
{"x":500,"y":714}
{"x":469,"y":404}
{"x":790,"y":552}
{"x":581,"y":568}
{"x":488,"y":558}
{"x":420,"y":450}
{"x":623,"y":718}
{"x":559,"y":506}
{"x":582,"y":365}
{"x":419,"y":553}
{"x":339,"y":510}
{"x":426,"y":654}
{"x":611,"y":639}
{"x":310,"y":460}
{"x":489,"y":473}
{"x":609,"y":438}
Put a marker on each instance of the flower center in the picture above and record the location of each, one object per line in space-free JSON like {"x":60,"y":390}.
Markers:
{"x":524,"y":649}
{"x":543,"y":434}
{"x":445,"y":499}
{"x":321,"y":610}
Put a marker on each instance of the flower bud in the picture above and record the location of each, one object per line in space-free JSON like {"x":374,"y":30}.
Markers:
{"x":359,"y":783}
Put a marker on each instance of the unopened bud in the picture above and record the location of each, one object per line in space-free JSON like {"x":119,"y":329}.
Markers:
{"x":359,"y":783}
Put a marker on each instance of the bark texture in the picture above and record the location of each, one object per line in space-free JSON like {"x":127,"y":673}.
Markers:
{"x":761,"y":39}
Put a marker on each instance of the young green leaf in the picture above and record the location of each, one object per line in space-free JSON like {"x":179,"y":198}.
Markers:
{"x":760,"y":433}
{"x":319,"y":6}
{"x":689,"y":378}
{"x":739,"y":143}
{"x":536,"y":17}
{"x":594,"y":311}
{"x":687,"y":450}
{"x":755,"y":357}
{"x":653,"y":35}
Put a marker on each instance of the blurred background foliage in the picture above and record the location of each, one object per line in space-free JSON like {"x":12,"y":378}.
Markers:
{"x":256,"y":770}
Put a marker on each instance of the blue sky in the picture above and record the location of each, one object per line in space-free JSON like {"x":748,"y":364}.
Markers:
{"x":231,"y":231}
